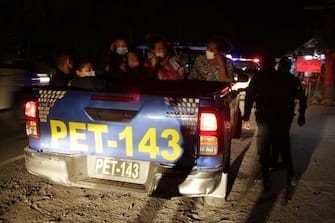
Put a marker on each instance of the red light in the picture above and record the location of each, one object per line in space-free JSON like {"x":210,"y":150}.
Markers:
{"x":30,"y":109}
{"x":31,"y":114}
{"x":256,"y":60}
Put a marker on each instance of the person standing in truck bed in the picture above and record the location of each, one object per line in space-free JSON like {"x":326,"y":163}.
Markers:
{"x":64,"y":69}
{"x":85,"y":76}
{"x":163,"y":65}
{"x":212,"y":65}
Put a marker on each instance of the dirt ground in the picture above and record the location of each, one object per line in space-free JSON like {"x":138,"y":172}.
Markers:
{"x":28,"y":198}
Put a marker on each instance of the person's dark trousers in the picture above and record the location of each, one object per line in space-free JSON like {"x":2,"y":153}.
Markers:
{"x":264,"y":151}
{"x":276,"y":156}
{"x":281,"y":143}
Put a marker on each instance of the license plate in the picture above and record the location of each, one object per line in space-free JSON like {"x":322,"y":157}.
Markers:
{"x":120,"y":168}
{"x":132,"y":171}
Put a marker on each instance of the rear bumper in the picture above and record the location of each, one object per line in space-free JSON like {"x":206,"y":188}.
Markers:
{"x":72,"y":170}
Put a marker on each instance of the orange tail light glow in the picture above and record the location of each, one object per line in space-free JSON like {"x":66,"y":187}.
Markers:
{"x":208,"y":132}
{"x":31,"y":116}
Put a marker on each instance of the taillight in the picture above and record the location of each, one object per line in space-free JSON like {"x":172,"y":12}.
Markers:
{"x":31,"y":116}
{"x":208,"y":132}
{"x":208,"y":122}
{"x":30,"y":109}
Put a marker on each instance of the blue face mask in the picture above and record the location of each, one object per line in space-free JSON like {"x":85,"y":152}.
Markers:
{"x":121,"y":50}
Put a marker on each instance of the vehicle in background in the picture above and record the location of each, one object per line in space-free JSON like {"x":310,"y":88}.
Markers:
{"x":17,"y":78}
{"x":11,"y":79}
{"x":244,"y":69}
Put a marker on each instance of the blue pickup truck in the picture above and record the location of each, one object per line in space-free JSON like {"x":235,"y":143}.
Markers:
{"x":165,"y":138}
{"x":160,"y":137}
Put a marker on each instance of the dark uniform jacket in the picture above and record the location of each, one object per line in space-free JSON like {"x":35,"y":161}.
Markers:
{"x":60,"y":79}
{"x":275,"y":95}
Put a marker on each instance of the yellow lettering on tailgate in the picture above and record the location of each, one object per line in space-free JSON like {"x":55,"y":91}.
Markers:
{"x":173,"y":143}
{"x":127,"y":135}
{"x":98,"y":130}
{"x":58,"y":130}
{"x":148,"y":143}
{"x":74,"y":136}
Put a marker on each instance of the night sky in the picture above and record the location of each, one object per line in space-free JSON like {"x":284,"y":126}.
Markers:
{"x":88,"y":25}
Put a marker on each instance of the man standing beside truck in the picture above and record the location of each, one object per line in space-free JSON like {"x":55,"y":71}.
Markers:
{"x":275,"y":92}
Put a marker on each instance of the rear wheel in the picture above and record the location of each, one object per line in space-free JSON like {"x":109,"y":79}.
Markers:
{"x":227,"y":146}
{"x":236,"y":118}
{"x":237,"y":126}
{"x":18,"y":107}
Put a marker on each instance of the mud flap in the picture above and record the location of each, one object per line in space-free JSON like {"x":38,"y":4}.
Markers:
{"x":218,"y":197}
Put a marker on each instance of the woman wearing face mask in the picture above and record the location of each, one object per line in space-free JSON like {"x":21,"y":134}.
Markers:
{"x":163,"y":66}
{"x":211,"y":66}
{"x":117,"y":58}
{"x":85,"y":76}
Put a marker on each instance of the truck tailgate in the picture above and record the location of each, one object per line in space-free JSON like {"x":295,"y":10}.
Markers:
{"x":129,"y":126}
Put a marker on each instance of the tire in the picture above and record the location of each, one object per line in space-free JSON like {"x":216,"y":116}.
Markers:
{"x":18,"y":112}
{"x":227,"y":149}
{"x":236,"y":117}
{"x":20,"y":98}
{"x":237,"y":126}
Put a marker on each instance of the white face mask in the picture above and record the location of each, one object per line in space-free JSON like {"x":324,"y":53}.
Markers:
{"x":161,"y":55}
{"x":90,"y":73}
{"x":210,"y":55}
{"x":122,"y":50}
